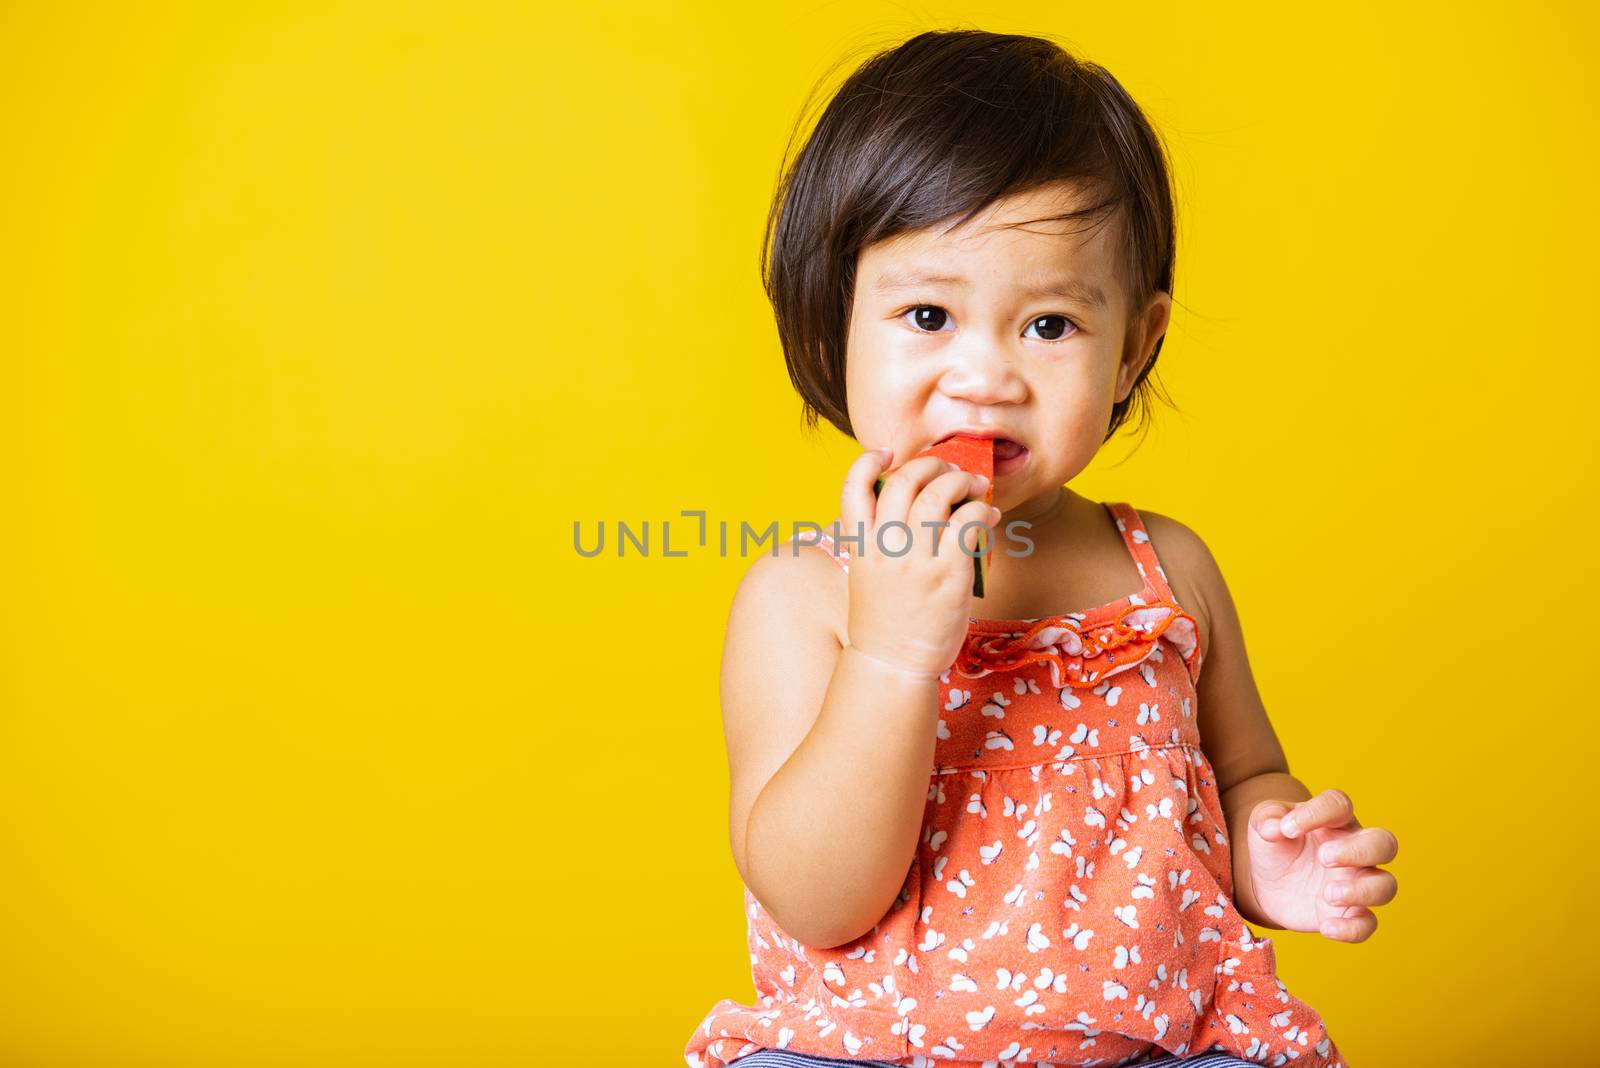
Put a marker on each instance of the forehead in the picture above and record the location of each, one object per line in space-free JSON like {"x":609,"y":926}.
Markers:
{"x":1012,"y":240}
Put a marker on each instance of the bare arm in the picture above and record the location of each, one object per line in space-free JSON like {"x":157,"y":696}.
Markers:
{"x":1235,"y":731}
{"x":829,"y":754}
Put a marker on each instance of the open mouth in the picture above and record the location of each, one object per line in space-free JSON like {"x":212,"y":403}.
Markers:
{"x":1009,"y":456}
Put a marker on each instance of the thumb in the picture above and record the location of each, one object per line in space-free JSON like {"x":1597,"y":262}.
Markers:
{"x":1265,"y":817}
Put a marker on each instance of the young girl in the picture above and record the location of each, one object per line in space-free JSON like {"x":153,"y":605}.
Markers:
{"x":1012,"y":830}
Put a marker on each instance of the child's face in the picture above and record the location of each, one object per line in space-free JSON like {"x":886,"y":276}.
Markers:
{"x":977,"y":350}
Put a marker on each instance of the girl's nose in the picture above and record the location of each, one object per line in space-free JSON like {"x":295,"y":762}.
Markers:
{"x":983,"y":376}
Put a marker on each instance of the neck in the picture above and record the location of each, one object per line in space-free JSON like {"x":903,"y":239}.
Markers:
{"x":1038,"y":508}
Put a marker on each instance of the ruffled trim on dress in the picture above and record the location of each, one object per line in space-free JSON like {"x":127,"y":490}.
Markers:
{"x":1079,"y":653}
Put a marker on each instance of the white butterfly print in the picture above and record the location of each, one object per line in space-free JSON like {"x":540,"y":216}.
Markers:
{"x":1110,"y":692}
{"x":998,"y":739}
{"x":958,"y":699}
{"x":1043,"y":735}
{"x":1078,"y":936}
{"x":979,"y":1020}
{"x":1036,"y":938}
{"x":1022,"y":685}
{"x":1069,"y":700}
{"x":1110,"y":988}
{"x":990,"y":853}
{"x":1124,"y":955}
{"x":1082,"y":733}
{"x":975,"y":804}
{"x":1063,"y":843}
{"x":1128,"y":914}
{"x":997,"y":706}
{"x":1148,"y":714}
{"x":1049,"y":980}
{"x":958,"y":885}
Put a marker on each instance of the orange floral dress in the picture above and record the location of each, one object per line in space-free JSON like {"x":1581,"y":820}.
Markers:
{"x":1070,"y":900}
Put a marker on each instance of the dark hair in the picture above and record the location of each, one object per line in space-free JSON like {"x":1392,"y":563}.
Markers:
{"x":941,"y":126}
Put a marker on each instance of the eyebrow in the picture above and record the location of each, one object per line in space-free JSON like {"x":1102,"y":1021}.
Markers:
{"x":1074,"y":289}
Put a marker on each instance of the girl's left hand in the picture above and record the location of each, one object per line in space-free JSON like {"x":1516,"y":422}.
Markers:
{"x":1313,"y":867}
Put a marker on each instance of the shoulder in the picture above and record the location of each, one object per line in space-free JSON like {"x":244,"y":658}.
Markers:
{"x":1191,"y":570}
{"x":797,"y":584}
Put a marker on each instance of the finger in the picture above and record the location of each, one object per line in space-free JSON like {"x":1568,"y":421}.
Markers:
{"x":936,"y":503}
{"x":1367,"y":847}
{"x":1366,"y":886}
{"x":1331,"y":808}
{"x":857,"y":503}
{"x":1356,"y":925}
{"x":1266,"y":817}
{"x":971,"y":531}
{"x":903,"y":484}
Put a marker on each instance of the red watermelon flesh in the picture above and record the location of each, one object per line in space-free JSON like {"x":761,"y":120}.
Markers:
{"x":976,"y":456}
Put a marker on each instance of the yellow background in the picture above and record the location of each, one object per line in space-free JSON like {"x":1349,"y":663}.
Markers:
{"x":321,"y":324}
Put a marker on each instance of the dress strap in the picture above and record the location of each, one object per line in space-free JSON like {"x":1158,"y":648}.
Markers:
{"x":824,"y":543}
{"x":1131,"y":526}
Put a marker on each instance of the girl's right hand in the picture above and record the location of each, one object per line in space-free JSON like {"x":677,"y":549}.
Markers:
{"x":910,"y":611}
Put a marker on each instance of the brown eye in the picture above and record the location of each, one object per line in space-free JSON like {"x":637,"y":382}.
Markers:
{"x":1059,"y":327}
{"x":929,"y":317}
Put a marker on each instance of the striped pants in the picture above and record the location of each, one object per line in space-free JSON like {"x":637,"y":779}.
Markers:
{"x":777,"y":1058}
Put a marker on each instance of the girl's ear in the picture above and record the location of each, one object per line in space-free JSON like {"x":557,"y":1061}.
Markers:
{"x":1143,"y":332}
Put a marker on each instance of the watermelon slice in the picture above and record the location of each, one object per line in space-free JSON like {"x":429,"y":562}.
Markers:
{"x":976,"y":456}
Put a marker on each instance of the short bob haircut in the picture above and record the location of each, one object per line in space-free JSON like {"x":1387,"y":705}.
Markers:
{"x":937,"y":128}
